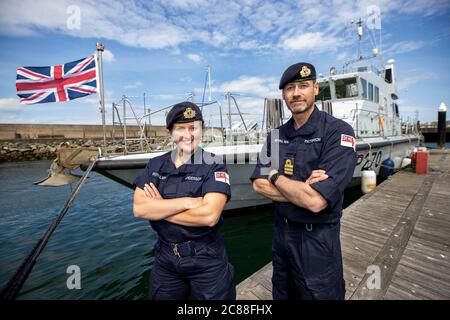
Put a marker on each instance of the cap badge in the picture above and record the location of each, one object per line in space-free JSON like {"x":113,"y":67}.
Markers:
{"x":189,"y":113}
{"x":305,"y":72}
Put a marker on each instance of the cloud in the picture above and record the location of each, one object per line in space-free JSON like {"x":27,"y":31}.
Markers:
{"x":94,"y":99}
{"x":405,"y":46}
{"x":311,"y":41}
{"x":249,"y":93}
{"x":145,"y":27}
{"x":11,"y":105}
{"x":425,"y":8}
{"x":173,"y":97}
{"x":186,"y":79}
{"x":186,"y":4}
{"x":342,"y":56}
{"x":108,"y":56}
{"x":244,"y":25}
{"x":133,"y":85}
{"x":250,"y":85}
{"x":194,"y":57}
{"x":407,"y":82}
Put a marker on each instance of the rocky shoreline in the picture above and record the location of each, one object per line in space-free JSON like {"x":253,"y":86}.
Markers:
{"x":14,"y":151}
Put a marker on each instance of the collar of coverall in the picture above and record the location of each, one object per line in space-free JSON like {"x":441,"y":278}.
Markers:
{"x":308,"y":128}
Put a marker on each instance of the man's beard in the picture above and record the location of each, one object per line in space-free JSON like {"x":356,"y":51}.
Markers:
{"x":299,"y":110}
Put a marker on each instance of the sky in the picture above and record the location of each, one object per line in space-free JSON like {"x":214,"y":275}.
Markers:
{"x":163,"y":48}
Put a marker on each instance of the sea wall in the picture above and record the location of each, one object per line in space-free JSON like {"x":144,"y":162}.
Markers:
{"x":25,"y":142}
{"x":72,"y":131}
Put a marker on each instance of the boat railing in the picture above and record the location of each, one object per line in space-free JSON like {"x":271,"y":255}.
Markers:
{"x":140,"y":142}
{"x":409,"y":127}
{"x":123,"y":122}
{"x":355,"y":115}
{"x":128,"y":116}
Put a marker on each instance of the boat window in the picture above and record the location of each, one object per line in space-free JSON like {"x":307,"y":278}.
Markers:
{"x":377,"y":94}
{"x":370,"y":91}
{"x":324,"y":91}
{"x":364,"y":88}
{"x":346,"y":88}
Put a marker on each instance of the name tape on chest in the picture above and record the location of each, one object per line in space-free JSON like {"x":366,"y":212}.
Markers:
{"x":348,"y":141}
{"x":157,"y":175}
{"x":193,"y":178}
{"x":313,"y":140}
{"x":283,"y":141}
{"x":222,"y":177}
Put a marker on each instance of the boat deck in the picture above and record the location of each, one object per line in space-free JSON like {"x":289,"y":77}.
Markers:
{"x":401,"y":230}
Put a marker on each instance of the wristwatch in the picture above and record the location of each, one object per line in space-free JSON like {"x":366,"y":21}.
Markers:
{"x":274,"y":178}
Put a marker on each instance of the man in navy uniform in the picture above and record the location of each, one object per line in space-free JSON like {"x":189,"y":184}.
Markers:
{"x":183,"y":193}
{"x":311,"y":159}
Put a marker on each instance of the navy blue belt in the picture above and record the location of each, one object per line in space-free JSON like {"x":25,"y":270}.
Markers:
{"x":189,"y":248}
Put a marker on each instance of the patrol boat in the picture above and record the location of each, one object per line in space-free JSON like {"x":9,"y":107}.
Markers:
{"x":363,"y":96}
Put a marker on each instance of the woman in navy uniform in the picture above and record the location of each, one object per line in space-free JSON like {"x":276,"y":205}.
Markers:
{"x":311,"y":159}
{"x":183,"y":193}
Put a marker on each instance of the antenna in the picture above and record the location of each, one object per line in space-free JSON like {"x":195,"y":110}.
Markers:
{"x":360,"y":34}
{"x":359,"y":31}
{"x":209,"y":83}
{"x":375,"y":53}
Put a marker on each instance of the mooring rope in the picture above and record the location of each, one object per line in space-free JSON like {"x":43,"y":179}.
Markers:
{"x":14,"y":285}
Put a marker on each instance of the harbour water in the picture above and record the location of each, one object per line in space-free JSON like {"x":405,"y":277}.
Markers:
{"x":433,"y":145}
{"x":100,"y":235}
{"x":113,"y":250}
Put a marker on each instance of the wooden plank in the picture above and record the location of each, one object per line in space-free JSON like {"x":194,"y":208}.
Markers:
{"x":427,"y":267}
{"x":429,"y":244}
{"x":257,"y":286}
{"x":262,"y":293}
{"x":398,"y":292}
{"x":427,"y":253}
{"x":415,"y":290}
{"x":415,"y":276}
{"x":377,"y":234}
{"x":376,"y":219}
{"x":388,"y":259}
{"x":422,"y":231}
{"x":404,"y":230}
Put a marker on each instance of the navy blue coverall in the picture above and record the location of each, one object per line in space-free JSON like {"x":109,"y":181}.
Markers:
{"x":307,"y":260}
{"x":189,"y":260}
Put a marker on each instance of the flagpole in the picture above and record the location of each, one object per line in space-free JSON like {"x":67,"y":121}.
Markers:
{"x":100,"y":48}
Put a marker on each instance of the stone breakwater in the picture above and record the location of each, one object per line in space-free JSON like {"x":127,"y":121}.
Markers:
{"x":12,"y":151}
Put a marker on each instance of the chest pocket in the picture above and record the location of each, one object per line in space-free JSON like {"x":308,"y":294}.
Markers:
{"x":181,"y":186}
{"x":307,"y":159}
{"x":169,"y":189}
{"x":287,"y":153}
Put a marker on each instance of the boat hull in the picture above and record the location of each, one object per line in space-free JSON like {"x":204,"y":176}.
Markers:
{"x":241,"y":161}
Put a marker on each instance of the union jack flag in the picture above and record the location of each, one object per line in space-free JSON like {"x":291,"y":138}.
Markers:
{"x":65,"y":82}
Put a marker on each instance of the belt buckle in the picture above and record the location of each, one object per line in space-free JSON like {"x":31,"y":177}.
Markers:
{"x":175,"y":250}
